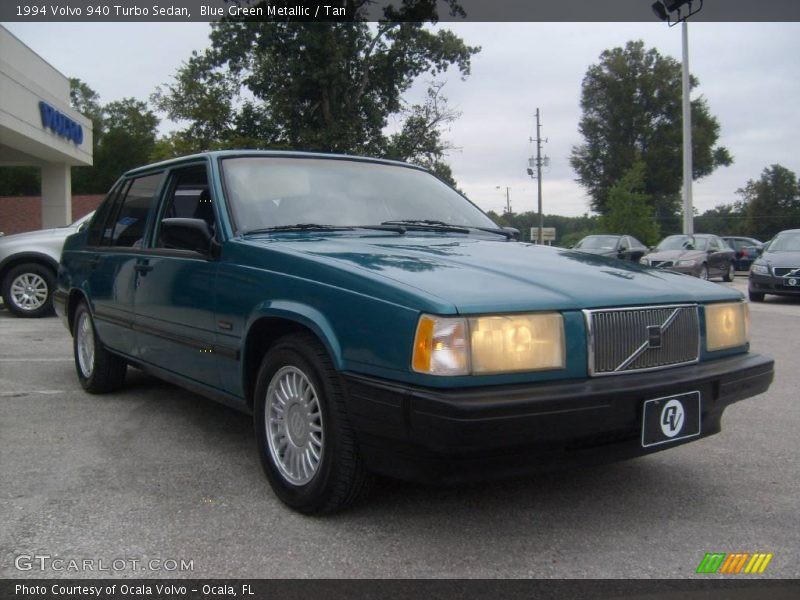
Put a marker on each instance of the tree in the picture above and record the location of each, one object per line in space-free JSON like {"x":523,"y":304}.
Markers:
{"x":127,"y":142}
{"x":420,"y":141}
{"x":631,"y":103}
{"x":568,"y":229}
{"x":325,"y":86}
{"x":724,"y":219}
{"x":773,"y":202}
{"x":124,"y":137}
{"x":87,"y":102}
{"x":628,"y":209}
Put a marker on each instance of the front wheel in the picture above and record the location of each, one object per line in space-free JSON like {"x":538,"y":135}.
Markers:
{"x":28,"y":290}
{"x":305,"y":442}
{"x":755,"y":296}
{"x":99,"y":370}
{"x":730,"y":274}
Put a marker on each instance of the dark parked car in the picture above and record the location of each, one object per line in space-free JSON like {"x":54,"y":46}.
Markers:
{"x":624,"y":247}
{"x":777,"y":270}
{"x":746,"y":250}
{"x":701,"y":255}
{"x":373,"y":320}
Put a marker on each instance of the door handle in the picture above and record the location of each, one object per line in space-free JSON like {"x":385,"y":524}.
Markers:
{"x":143,"y":268}
{"x":93,"y":262}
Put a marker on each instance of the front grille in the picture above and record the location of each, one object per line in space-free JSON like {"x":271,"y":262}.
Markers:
{"x":661,"y":264}
{"x":623,"y":340}
{"x":786,"y":271}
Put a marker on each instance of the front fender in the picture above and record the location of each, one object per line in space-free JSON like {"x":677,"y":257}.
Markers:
{"x":305,"y":315}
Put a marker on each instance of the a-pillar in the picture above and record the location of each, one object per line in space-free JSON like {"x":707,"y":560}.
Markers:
{"x":56,"y":195}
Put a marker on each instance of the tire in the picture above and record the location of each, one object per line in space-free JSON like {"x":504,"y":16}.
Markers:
{"x":99,"y":371}
{"x":704,"y":272}
{"x":28,"y":290}
{"x":314,"y":467}
{"x":755,"y":296}
{"x":731,"y":274}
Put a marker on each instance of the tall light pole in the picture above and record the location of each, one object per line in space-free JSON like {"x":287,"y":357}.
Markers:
{"x":688,"y":210}
{"x":671,"y":12}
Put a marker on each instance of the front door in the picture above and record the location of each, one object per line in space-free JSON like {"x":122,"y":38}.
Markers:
{"x":174,"y":294}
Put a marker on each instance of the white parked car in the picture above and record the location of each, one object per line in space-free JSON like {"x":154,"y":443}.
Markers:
{"x":28,"y":266}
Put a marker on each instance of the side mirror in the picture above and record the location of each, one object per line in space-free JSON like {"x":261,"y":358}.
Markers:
{"x":513,"y":231}
{"x":186,"y":234}
{"x":760,"y":250}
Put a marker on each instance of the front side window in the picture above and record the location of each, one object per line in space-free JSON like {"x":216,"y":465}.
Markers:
{"x":274,"y":192}
{"x":188,"y":197}
{"x":128,"y":228}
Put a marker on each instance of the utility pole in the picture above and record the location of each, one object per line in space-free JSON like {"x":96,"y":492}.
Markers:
{"x":537,"y":162}
{"x":508,"y":198}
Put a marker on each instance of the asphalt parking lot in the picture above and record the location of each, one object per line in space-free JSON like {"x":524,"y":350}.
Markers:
{"x":155,"y":472}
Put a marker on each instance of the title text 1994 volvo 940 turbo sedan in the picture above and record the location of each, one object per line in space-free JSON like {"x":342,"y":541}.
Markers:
{"x":373,"y":320}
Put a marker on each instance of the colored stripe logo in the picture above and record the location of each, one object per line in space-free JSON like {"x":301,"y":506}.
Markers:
{"x":734,"y":563}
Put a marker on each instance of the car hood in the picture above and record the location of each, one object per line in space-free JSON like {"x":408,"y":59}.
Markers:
{"x":470,"y":274}
{"x":38,"y":234}
{"x":781,"y":259}
{"x":676,"y":255}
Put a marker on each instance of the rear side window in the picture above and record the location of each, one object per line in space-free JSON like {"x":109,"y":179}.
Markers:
{"x":127,"y":229}
{"x":98,"y":223}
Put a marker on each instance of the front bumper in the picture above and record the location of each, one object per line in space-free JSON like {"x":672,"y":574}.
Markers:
{"x":693,"y":270}
{"x":768,"y":284}
{"x":449,"y":436}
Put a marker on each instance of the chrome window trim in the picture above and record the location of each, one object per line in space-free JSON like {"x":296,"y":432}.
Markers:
{"x":587,"y":316}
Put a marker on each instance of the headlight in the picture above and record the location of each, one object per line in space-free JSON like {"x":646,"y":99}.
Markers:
{"x":497,"y":344}
{"x":644,"y":261}
{"x":727,"y":325}
{"x":517,"y":343}
{"x":760,"y":269}
{"x":687,"y":263}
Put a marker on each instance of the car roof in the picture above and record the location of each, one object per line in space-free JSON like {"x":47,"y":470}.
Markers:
{"x":220,"y":154}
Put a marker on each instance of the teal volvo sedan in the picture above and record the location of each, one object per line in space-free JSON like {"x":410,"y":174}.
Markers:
{"x":375,"y":321}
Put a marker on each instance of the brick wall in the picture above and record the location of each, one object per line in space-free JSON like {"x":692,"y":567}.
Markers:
{"x":24,"y":213}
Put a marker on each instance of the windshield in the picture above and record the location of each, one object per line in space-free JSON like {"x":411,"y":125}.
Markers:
{"x":680,"y":242}
{"x":269,"y":192}
{"x":597,"y":242}
{"x":786,"y":243}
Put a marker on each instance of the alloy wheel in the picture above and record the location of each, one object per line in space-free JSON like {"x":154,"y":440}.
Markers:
{"x":29,"y":292}
{"x":293,"y":422}
{"x":85,"y":344}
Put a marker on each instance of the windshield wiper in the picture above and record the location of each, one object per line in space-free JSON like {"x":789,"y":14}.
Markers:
{"x":428,"y":225}
{"x":299,"y":227}
{"x":507,"y":234}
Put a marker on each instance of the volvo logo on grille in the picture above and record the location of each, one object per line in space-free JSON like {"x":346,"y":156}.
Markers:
{"x":654,"y":336}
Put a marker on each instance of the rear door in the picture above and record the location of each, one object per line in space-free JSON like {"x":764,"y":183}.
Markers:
{"x":115,"y":240}
{"x":175,"y":293}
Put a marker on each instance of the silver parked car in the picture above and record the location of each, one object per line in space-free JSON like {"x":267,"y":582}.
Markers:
{"x":28,"y":266}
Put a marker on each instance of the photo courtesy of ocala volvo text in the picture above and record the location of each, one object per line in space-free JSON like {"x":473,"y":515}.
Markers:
{"x":375,"y":321}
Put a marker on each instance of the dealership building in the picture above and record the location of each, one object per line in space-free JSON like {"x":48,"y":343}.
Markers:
{"x":38,"y":127}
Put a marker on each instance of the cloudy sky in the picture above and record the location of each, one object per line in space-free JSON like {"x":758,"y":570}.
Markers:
{"x":749,"y":74}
